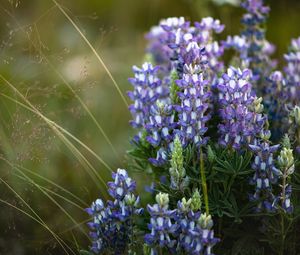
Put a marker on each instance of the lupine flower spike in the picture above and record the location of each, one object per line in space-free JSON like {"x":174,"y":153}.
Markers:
{"x":287,"y":167}
{"x":112,"y":224}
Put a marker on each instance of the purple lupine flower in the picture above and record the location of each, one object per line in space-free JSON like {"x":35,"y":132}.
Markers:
{"x":203,"y":34}
{"x":195,"y":230}
{"x":259,"y":50}
{"x":162,"y":227}
{"x":164,"y":39}
{"x":292,"y":72}
{"x":266,"y":174}
{"x":159,"y":51}
{"x":239,"y":44}
{"x":174,"y":23}
{"x":147,"y":90}
{"x":256,"y":7}
{"x":285,"y":198}
{"x":275,"y":100}
{"x":241,"y":121}
{"x":177,"y":36}
{"x":121,"y":186}
{"x":112,"y":223}
{"x":208,"y":238}
{"x":275,"y":96}
{"x":253,"y":48}
{"x":287,"y":167}
{"x":194,"y":103}
{"x":160,"y":130}
{"x":161,"y":157}
{"x":161,"y":123}
{"x":181,"y":35}
{"x":208,"y":25}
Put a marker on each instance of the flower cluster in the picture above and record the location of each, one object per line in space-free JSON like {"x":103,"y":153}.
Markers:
{"x":195,"y":229}
{"x":276,"y":97}
{"x":147,"y":89}
{"x":177,"y":103}
{"x":168,"y":42}
{"x":183,"y":229}
{"x":162,"y":226}
{"x":206,"y":126}
{"x":287,"y":168}
{"x":241,"y":123}
{"x":259,"y":49}
{"x":292,"y":72}
{"x":294,"y":126}
{"x":253,"y":48}
{"x":266,"y":174}
{"x":112,"y":223}
{"x":194,"y":100}
{"x":160,"y":129}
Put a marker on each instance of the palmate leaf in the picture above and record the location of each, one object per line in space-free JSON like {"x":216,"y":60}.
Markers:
{"x":234,"y":163}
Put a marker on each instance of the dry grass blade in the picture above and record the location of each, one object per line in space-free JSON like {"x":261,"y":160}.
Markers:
{"x":50,"y":191}
{"x":74,"y":93}
{"x":47,"y":180}
{"x":60,"y":133}
{"x":37,"y":218}
{"x":84,"y":162}
{"x":54,"y":201}
{"x":51,"y":123}
{"x":93,"y":50}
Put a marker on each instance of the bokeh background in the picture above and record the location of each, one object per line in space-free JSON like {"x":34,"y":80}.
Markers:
{"x":47,"y":176}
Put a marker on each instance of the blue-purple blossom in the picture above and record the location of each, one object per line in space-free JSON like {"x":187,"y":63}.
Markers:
{"x":253,"y":48}
{"x":275,"y":95}
{"x":241,"y":121}
{"x":194,"y":103}
{"x":287,"y":167}
{"x":203,"y":34}
{"x":160,"y":130}
{"x":162,"y":226}
{"x":292,"y":72}
{"x":266,"y":174}
{"x":294,"y":125}
{"x":239,"y":44}
{"x":196,"y":236}
{"x":122,"y":185}
{"x":112,"y":223}
{"x":178,"y":34}
{"x":159,"y":51}
{"x":147,"y":89}
{"x":275,"y":100}
{"x":160,"y":125}
{"x":259,"y":49}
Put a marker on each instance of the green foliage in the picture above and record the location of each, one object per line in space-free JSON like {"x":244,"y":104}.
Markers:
{"x":174,"y":88}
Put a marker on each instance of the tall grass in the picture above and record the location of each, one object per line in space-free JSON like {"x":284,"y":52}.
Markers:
{"x":65,"y":201}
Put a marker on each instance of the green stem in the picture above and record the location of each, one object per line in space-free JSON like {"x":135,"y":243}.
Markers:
{"x":160,"y":251}
{"x":281,"y":214}
{"x":282,"y":234}
{"x":203,"y":182}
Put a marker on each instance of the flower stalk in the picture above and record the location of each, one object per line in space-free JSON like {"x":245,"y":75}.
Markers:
{"x":203,"y":183}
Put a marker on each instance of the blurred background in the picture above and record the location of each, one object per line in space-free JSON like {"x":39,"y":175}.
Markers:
{"x":63,"y":124}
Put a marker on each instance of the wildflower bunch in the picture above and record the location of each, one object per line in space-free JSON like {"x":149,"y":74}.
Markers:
{"x":204,"y":131}
{"x":112,"y":223}
{"x":241,"y":123}
{"x":266,"y":173}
